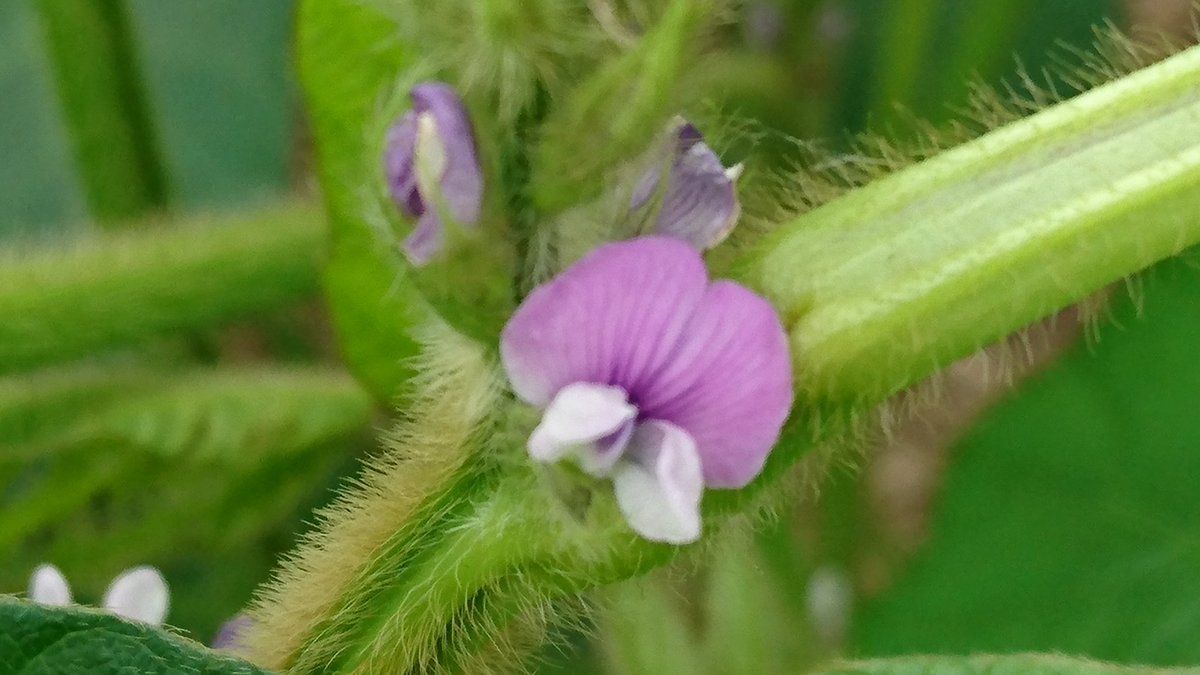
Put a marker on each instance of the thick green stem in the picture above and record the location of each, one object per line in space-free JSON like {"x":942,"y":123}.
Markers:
{"x":62,"y":303}
{"x":96,"y":68}
{"x":884,"y":286}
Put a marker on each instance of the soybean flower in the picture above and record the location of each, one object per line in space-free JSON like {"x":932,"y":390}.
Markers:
{"x":651,"y":375}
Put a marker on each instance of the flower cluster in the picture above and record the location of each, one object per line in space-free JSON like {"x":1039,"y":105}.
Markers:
{"x":647,"y":373}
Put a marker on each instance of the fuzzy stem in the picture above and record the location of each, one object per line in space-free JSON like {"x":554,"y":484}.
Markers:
{"x":63,"y":303}
{"x":884,"y":286}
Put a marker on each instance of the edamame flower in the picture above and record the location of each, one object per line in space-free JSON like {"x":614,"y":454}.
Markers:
{"x":651,"y":375}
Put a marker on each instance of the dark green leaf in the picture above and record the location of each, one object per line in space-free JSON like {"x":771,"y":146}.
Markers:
{"x":1069,"y":518}
{"x":36,"y":640}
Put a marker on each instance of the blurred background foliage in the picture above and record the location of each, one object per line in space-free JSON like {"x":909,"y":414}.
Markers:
{"x":1063,"y":520}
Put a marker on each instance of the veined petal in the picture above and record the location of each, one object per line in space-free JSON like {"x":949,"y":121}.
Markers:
{"x":49,"y":587}
{"x":729,"y":384}
{"x":659,"y":486}
{"x":140,"y":594}
{"x":614,"y":318}
{"x":580,"y":415}
{"x":461,"y":178}
{"x":699,"y":203}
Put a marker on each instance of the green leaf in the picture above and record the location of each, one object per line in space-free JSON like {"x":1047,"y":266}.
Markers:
{"x":1068,"y":521}
{"x":41,"y":192}
{"x":36,"y":639}
{"x":1020,"y":664}
{"x":349,"y":60}
{"x":103,"y":100}
{"x":218,"y":76}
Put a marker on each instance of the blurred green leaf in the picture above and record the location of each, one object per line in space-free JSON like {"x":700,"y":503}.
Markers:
{"x":349,"y":60}
{"x":36,"y":639}
{"x":103,"y":100}
{"x":923,"y":55}
{"x":218,"y":79}
{"x":39,"y":190}
{"x":1068,"y":521}
{"x":195,"y":472}
{"x":1022,"y":664}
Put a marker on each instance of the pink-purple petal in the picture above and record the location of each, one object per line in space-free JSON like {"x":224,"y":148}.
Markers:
{"x":729,"y":384}
{"x":462,"y":181}
{"x":426,"y":239}
{"x":699,"y":203}
{"x":398,"y":166}
{"x":615,"y":317}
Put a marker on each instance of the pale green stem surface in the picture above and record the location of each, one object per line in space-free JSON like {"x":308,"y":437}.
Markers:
{"x":882,"y":287}
{"x":103,"y":101}
{"x":63,"y":302}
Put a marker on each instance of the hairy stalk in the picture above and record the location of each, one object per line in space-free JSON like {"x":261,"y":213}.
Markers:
{"x":61,"y":303}
{"x":101,"y":94}
{"x":890,"y":282}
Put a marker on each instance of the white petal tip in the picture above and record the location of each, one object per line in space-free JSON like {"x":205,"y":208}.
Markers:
{"x":139,"y":594}
{"x":659,"y":488}
{"x":580,"y":414}
{"x":735,"y":172}
{"x":49,"y":587}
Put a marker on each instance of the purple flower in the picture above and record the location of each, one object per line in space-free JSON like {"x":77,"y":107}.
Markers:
{"x":230,"y":634}
{"x":432,"y":168}
{"x":699,"y":203}
{"x":651,"y":375}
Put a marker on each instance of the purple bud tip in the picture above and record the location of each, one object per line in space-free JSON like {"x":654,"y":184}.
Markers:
{"x":230,"y":634}
{"x":699,"y":202}
{"x":432,"y":167}
{"x":652,"y":375}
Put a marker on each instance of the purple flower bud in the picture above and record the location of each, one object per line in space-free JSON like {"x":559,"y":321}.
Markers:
{"x":699,"y":202}
{"x":432,"y":168}
{"x":229,"y":635}
{"x":649,"y":374}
